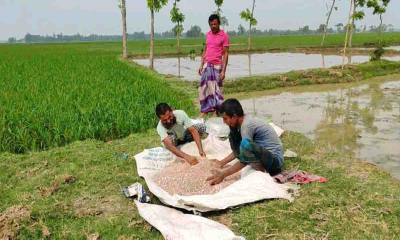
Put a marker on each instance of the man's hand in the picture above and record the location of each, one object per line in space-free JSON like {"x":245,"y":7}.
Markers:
{"x":202,"y":153}
{"x":216,"y":178}
{"x":218,"y":163}
{"x":222,"y":76}
{"x":191,"y":160}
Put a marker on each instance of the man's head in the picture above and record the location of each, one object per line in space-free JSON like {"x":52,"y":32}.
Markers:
{"x":165,"y":114}
{"x":232,"y":112}
{"x":214,"y":23}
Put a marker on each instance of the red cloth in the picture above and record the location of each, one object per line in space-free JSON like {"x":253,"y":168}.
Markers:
{"x":299,"y":177}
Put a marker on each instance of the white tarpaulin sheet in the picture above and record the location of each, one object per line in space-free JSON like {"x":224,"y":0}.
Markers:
{"x":174,"y":224}
{"x":253,"y":185}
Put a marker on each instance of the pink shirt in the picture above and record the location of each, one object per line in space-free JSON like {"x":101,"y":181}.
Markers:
{"x":215,"y":44}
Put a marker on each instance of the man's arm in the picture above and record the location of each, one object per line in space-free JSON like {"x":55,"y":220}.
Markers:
{"x":197,"y":140}
{"x":227,"y":159}
{"x":170,"y":146}
{"x":218,"y":175}
{"x":224,"y":62}
{"x":203,"y":56}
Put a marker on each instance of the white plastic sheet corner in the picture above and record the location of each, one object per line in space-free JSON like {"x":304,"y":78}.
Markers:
{"x":175,"y":225}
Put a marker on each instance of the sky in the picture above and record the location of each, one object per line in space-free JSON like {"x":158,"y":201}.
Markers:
{"x":18,"y":17}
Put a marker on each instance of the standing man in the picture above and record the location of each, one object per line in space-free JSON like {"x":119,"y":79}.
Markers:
{"x":252,"y":141}
{"x":176,"y":128}
{"x":213,"y":67}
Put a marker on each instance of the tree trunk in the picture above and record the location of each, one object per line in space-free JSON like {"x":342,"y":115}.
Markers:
{"x":347,"y":33}
{"x":352,"y":25}
{"x":249,"y":58}
{"x":151,"y":57}
{"x":380,"y":29}
{"x":124,"y":37}
{"x":249,"y":38}
{"x":327,"y":22}
{"x":179,"y":45}
{"x":178,"y":38}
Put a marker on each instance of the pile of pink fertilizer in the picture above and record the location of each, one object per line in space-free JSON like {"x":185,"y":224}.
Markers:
{"x":184,"y":179}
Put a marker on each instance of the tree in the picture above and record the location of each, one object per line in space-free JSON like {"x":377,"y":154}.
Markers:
{"x":194,"y":31}
{"x":241,"y":30}
{"x":154,"y":6}
{"x":347,"y":31}
{"x":178,"y":18}
{"x":357,"y":15}
{"x":379,"y":9}
{"x":378,"y":6}
{"x":224,"y":20}
{"x":339,"y":27}
{"x":12,"y":40}
{"x":321,"y":28}
{"x":390,"y":27}
{"x":305,"y":29}
{"x":327,"y":21}
{"x":122,"y":6}
{"x":248,"y":16}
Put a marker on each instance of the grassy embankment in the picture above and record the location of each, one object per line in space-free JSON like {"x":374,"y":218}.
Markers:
{"x":73,"y":192}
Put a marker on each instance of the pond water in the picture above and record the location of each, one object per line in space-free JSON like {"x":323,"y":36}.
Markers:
{"x":241,"y":65}
{"x":396,"y":48}
{"x":361,"y":121}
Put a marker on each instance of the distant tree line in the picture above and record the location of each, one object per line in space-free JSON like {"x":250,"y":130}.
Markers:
{"x":194,"y":32}
{"x":339,"y":28}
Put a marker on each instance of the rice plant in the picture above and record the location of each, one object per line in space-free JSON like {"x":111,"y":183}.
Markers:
{"x":51,"y":95}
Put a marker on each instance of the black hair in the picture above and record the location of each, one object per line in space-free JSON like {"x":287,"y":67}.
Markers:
{"x":232,"y":107}
{"x":162,"y":108}
{"x":213,"y":17}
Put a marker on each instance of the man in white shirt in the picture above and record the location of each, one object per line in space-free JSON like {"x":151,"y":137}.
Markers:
{"x":176,"y":128}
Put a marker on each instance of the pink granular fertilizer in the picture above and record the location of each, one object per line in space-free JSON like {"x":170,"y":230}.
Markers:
{"x":184,"y":179}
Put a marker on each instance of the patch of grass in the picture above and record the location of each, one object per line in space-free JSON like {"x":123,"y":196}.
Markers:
{"x":350,"y":73}
{"x":359,"y":201}
{"x":92,"y":203}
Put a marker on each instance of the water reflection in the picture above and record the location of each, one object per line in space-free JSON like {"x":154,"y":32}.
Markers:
{"x":362,"y":122}
{"x":249,"y":61}
{"x":396,"y":48}
{"x":241,"y":65}
{"x":179,"y":66}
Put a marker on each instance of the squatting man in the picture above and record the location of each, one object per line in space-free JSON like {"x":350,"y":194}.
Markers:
{"x":253,"y":141}
{"x":176,"y":128}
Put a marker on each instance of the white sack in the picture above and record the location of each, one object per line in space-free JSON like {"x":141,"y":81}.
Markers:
{"x":174,"y":225}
